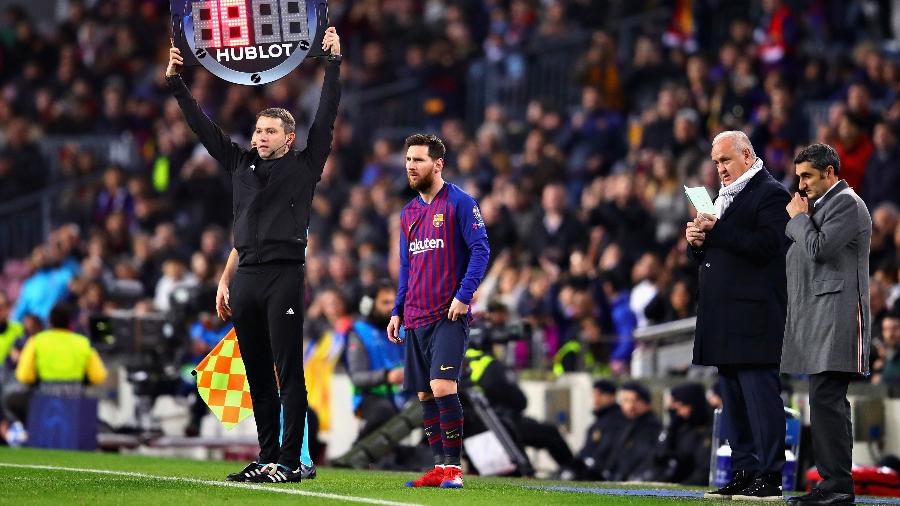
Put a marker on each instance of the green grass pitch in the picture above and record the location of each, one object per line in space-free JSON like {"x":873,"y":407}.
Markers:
{"x":34,"y":477}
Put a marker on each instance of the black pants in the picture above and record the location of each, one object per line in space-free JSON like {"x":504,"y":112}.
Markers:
{"x":267,"y":308}
{"x":754,"y":417}
{"x":544,"y":436}
{"x":832,"y":434}
{"x":375,"y":410}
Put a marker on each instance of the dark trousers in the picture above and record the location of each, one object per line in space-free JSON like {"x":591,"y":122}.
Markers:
{"x":832,"y":434}
{"x":545,"y":436}
{"x":267,"y":308}
{"x":754,"y":417}
{"x":375,"y":410}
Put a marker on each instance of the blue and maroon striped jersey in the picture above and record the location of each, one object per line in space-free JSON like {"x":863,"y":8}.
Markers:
{"x":444,"y":253}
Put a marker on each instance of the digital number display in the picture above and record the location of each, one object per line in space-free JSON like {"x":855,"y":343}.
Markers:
{"x":252,"y":41}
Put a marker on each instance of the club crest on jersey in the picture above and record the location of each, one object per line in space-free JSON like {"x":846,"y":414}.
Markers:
{"x":438,"y":220}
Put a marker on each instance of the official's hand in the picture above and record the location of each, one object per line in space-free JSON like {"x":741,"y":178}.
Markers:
{"x":222,"y":307}
{"x":175,"y":62}
{"x":705,"y":222}
{"x":457,"y":309}
{"x":331,"y":41}
{"x":694,"y":236}
{"x":395,"y":376}
{"x":798,"y":205}
{"x":393,"y":330}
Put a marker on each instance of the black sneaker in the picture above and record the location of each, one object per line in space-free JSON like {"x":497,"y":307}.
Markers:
{"x":252,"y":469}
{"x":766,"y":487}
{"x":308,"y":472}
{"x":273,"y":473}
{"x":820,"y":497}
{"x":741,"y":480}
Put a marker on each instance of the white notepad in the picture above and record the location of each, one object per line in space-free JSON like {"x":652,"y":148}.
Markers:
{"x":700,"y":199}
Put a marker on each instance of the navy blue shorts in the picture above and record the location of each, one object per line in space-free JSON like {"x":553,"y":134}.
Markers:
{"x":435,"y":351}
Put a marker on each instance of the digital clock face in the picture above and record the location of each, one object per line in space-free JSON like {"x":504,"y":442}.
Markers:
{"x":252,"y":42}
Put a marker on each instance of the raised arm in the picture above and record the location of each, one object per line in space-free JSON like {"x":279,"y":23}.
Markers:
{"x":211,"y":136}
{"x":318,"y":144}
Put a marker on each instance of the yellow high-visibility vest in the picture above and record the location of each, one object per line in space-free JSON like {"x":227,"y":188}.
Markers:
{"x":61,"y":355}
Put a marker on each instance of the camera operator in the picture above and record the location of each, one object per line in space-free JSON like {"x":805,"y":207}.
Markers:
{"x":498,"y":383}
{"x":374,"y":364}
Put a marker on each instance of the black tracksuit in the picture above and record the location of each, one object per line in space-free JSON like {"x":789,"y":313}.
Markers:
{"x":271,"y":204}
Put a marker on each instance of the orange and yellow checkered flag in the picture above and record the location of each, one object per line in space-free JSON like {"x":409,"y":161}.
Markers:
{"x":222,"y":382}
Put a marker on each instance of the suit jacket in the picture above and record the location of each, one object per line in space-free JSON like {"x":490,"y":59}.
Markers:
{"x":828,"y":325}
{"x":742,"y":300}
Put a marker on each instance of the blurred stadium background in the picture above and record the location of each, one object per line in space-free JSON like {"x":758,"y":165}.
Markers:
{"x":575,"y":124}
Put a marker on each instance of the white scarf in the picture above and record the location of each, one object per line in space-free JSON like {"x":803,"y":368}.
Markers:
{"x":728,"y":193}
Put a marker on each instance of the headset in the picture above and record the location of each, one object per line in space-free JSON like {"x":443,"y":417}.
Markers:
{"x":367,"y":303}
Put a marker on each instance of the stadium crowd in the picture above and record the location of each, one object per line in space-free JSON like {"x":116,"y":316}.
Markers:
{"x":583,"y":202}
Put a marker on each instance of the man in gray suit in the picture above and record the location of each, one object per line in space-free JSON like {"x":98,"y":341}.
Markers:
{"x":827,"y":332}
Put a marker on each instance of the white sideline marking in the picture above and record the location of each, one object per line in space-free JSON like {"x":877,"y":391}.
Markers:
{"x":248,"y":486}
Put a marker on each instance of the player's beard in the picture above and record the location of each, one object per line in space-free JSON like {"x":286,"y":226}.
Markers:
{"x":423,"y":182}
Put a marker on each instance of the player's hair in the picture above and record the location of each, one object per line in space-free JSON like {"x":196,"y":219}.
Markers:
{"x":287,"y":119}
{"x":820,"y":156}
{"x":436,"y":148}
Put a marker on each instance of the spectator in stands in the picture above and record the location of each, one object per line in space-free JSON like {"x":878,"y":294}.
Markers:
{"x":887,"y":366}
{"x":882,"y":179}
{"x":175,"y":275}
{"x":47,"y":285}
{"x":855,"y":148}
{"x":682,"y":455}
{"x":25,"y":168}
{"x":559,"y":231}
{"x":113,"y":197}
{"x":885,"y":220}
{"x":634,"y":442}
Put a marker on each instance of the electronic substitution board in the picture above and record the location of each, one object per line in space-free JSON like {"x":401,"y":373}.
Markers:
{"x":248,"y":42}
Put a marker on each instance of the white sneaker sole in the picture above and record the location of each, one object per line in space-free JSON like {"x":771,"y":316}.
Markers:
{"x":770,"y":498}
{"x":721,"y":497}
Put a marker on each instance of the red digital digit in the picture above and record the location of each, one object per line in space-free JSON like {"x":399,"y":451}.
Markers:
{"x":235,"y":32}
{"x":206,"y":24}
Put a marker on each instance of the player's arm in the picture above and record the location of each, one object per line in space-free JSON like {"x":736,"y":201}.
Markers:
{"x":211,"y":136}
{"x":318,"y":144}
{"x":470,"y":223}
{"x":402,"y":287}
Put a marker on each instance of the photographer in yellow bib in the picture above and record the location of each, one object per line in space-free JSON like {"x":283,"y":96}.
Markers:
{"x":57,"y":360}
